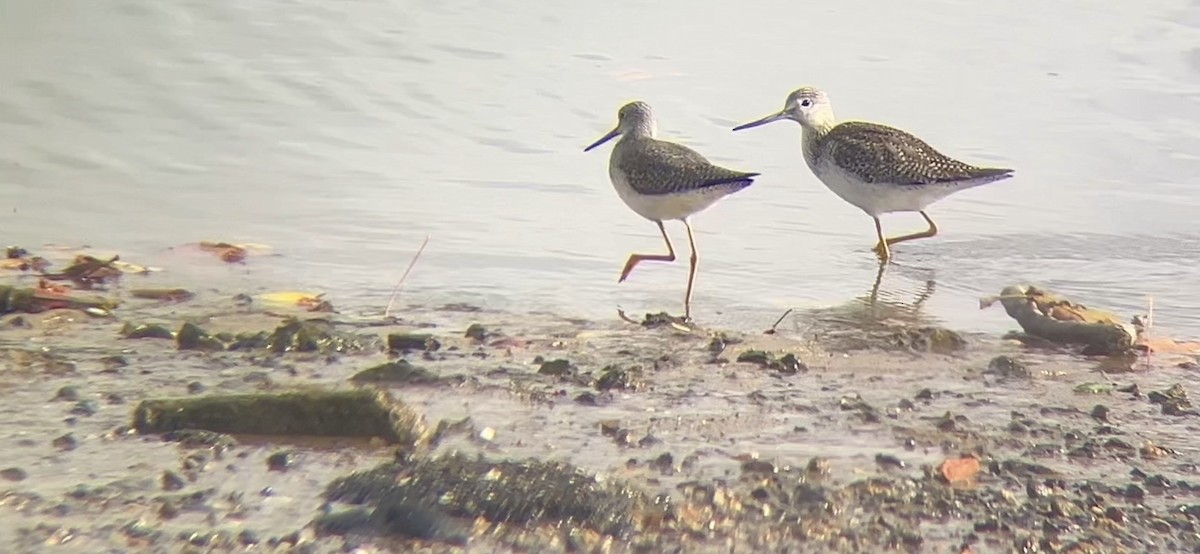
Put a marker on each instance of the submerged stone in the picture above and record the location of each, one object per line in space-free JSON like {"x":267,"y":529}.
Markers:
{"x":146,"y":331}
{"x":191,"y":337}
{"x":357,"y":413}
{"x":401,"y":342}
{"x":313,"y":335}
{"x":400,"y":371}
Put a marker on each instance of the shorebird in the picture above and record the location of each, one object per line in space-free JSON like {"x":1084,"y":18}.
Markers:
{"x":877,"y":168}
{"x":663,"y":181}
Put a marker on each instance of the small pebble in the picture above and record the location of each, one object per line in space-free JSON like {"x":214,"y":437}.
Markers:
{"x":171,"y":481}
{"x":168,"y":510}
{"x":888,"y":461}
{"x":476,"y":331}
{"x":195,"y":387}
{"x":65,"y":442}
{"x":279,"y":461}
{"x":13,"y":474}
{"x":69,"y":393}
{"x":248,"y":537}
{"x":85,"y":408}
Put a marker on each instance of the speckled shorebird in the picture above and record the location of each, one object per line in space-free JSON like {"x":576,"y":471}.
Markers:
{"x":662,"y":181}
{"x":877,"y":168}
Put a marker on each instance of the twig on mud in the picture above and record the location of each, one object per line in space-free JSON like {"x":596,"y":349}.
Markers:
{"x":621,"y":314}
{"x":1149,"y":326}
{"x":388,"y":312}
{"x":771,"y":331}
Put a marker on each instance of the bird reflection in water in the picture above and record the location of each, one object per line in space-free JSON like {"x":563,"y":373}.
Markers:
{"x":880,"y":309}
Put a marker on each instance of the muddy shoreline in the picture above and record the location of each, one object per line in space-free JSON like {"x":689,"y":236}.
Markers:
{"x":831,"y":434}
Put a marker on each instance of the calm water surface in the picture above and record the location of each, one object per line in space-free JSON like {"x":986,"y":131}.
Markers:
{"x":341,"y":134}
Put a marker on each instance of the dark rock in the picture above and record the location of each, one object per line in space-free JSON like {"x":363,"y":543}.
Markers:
{"x":65,"y":442}
{"x":665,"y":462}
{"x":13,"y":474}
{"x":476,"y":331}
{"x":1174,"y":401}
{"x":1100,"y":413}
{"x":399,"y":371}
{"x":718,"y":343}
{"x":610,"y":427}
{"x":279,"y":461}
{"x":248,"y":538}
{"x":758,"y":466}
{"x":195,"y":387}
{"x":315,"y":412}
{"x":1157,"y":481}
{"x":146,"y":331}
{"x":788,"y":364}
{"x":69,"y":393}
{"x":613,"y":377}
{"x":402,"y":342}
{"x":517,"y":492}
{"x":168,"y":510}
{"x":1008,"y":368}
{"x":1134,"y":493}
{"x":85,"y":408}
{"x":587,"y":399}
{"x":856,"y":403}
{"x":557,"y":368}
{"x":888,"y":462}
{"x":171,"y":481}
{"x":315,"y":335}
{"x":192,"y":337}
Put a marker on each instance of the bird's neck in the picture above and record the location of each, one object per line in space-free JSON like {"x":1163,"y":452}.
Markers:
{"x":810,"y":137}
{"x":641,"y":129}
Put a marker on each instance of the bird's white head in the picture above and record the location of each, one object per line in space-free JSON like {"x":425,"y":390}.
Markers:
{"x":808,"y":106}
{"x":633,"y":119}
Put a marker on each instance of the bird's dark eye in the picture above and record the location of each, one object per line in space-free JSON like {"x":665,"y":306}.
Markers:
{"x":806,"y":102}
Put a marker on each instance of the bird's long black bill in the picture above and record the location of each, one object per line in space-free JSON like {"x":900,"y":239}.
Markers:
{"x":763,"y":121}
{"x":603,"y":139}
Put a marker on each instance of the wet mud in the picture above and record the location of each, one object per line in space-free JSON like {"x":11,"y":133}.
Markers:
{"x":216,"y":423}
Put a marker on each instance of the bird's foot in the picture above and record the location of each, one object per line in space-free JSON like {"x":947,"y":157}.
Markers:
{"x":882,"y":251}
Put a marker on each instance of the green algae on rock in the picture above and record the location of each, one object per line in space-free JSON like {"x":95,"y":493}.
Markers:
{"x":191,"y":337}
{"x":400,"y":371}
{"x":401,"y":342}
{"x":146,"y":331}
{"x":787,"y":364}
{"x":356,"y":413}
{"x":314,"y":335}
{"x":293,"y":335}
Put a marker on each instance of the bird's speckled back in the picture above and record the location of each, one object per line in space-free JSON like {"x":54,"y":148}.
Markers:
{"x":885,"y":155}
{"x":654,"y":167}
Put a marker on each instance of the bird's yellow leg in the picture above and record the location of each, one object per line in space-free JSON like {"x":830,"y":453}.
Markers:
{"x":931,"y":231}
{"x":881,"y":248}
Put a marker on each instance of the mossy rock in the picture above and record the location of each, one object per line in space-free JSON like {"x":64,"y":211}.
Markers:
{"x":356,"y":413}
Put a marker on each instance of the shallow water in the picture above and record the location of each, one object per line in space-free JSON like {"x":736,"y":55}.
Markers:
{"x":343,"y":135}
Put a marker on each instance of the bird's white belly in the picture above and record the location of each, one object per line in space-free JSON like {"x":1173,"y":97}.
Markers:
{"x":876,"y":198}
{"x":665,"y":207}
